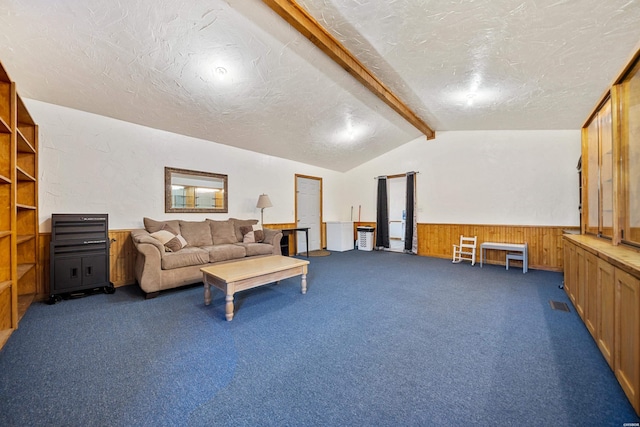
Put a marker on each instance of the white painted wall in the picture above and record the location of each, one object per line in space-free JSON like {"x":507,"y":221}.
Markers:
{"x":482,"y":177}
{"x":95,"y":164}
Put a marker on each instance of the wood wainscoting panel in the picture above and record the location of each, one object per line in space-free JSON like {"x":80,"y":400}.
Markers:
{"x":545,"y":242}
{"x":44,"y":263}
{"x":122,"y":253}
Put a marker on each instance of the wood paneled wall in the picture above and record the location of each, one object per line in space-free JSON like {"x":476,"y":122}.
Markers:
{"x":436,"y":240}
{"x":545,"y":242}
{"x":123,"y":258}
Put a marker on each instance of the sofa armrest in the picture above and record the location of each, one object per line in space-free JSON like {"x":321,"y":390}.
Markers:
{"x":273,"y":237}
{"x":148,"y":261}
{"x":143,"y":237}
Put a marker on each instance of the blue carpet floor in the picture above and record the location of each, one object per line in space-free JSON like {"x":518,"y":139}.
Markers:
{"x":380,"y":339}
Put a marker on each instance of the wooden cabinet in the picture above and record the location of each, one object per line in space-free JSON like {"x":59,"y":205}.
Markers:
{"x":580,"y":285}
{"x":605,"y":306}
{"x":627,"y":335}
{"x":18,"y":207}
{"x":608,"y":278}
{"x":599,"y":172}
{"x":574,"y":283}
{"x":569,"y":269}
{"x":590,"y":275}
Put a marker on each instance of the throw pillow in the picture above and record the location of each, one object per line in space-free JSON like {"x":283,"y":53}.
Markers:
{"x":242,"y":223}
{"x":247,"y":234}
{"x":171,"y":240}
{"x":252,"y":234}
{"x":258,"y":232}
{"x":249,"y":238}
{"x":175,"y":244}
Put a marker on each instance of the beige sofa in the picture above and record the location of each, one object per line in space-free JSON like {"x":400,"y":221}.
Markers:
{"x":171,"y":253}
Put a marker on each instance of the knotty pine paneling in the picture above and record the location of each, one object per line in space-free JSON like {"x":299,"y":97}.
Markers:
{"x":44,"y":240}
{"x":545,"y":243}
{"x":123,"y":258}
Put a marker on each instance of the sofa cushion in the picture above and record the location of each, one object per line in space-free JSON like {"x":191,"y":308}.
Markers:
{"x":186,"y":257}
{"x":196,"y":233}
{"x":222,"y":232}
{"x":225,"y":252}
{"x":237,"y":223}
{"x":254,"y":249}
{"x":151,"y":225}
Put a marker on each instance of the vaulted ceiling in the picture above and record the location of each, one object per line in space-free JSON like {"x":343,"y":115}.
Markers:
{"x":236,"y":73}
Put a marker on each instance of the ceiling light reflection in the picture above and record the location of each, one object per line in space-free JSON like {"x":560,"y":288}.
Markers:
{"x":480,"y":97}
{"x":351,"y":133}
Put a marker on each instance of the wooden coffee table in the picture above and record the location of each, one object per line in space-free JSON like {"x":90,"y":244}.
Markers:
{"x":250,"y":273}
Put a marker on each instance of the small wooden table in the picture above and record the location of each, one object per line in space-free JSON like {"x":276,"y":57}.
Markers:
{"x":250,"y":273}
{"x":284,"y":242}
{"x":511,"y":247}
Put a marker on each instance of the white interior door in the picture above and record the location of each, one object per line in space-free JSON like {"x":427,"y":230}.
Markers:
{"x":308,"y":211}
{"x":397,"y":189}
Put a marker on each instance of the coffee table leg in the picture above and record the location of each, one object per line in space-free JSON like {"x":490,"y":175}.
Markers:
{"x":304,"y":283}
{"x":229,"y":307}
{"x":207,"y":292}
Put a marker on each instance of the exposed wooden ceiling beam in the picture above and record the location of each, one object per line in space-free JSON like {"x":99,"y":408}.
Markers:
{"x":300,"y":19}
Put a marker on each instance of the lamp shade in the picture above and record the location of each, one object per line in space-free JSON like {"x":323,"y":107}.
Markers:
{"x":264,"y":202}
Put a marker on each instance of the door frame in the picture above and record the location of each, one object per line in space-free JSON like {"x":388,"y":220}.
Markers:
{"x":390,"y":197}
{"x":295,"y":205}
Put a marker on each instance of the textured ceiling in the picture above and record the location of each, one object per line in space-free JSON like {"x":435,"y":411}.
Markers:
{"x":235,"y":73}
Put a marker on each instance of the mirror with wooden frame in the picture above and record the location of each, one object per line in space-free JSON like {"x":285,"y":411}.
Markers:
{"x":190,"y":191}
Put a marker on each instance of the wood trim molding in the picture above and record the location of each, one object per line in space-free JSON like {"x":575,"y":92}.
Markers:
{"x":300,"y":19}
{"x":323,"y":240}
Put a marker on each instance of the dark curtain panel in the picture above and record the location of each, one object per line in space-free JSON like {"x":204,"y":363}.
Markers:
{"x":410,"y":231}
{"x":382,"y":217}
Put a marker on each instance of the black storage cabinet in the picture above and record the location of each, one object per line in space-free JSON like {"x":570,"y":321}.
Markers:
{"x":79,"y":254}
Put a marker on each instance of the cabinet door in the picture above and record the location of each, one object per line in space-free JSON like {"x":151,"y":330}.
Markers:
{"x":627,"y":340}
{"x":569,"y":271}
{"x":67,"y":274}
{"x":591,"y":293}
{"x":94,"y":270}
{"x":579,"y":288}
{"x":605,"y":309}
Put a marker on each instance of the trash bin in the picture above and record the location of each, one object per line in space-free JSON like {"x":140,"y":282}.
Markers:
{"x":365,"y":238}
